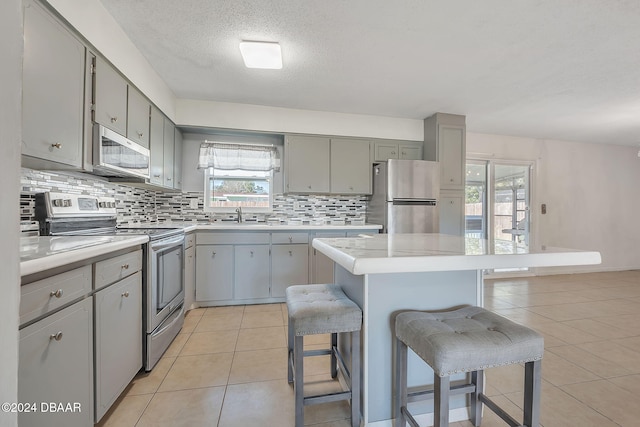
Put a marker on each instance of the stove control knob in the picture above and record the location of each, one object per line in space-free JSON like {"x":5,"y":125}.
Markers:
{"x":67,"y":203}
{"x":102,"y":204}
{"x":112,"y":204}
{"x":56,"y":202}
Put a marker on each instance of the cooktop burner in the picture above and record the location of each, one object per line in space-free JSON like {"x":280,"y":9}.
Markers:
{"x":79,"y":215}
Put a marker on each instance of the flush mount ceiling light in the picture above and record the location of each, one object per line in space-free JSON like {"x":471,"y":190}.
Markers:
{"x":261,"y":55}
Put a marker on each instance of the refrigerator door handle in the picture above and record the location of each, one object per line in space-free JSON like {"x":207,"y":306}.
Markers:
{"x":414,"y":202}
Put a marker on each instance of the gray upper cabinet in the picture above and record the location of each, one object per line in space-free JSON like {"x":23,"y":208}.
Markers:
{"x":53,"y":89}
{"x":350,"y":166}
{"x":307,"y":163}
{"x":110,"y":98}
{"x":138,"y":117}
{"x":391,"y":150}
{"x":444,"y":141}
{"x":177,"y":160}
{"x":169,"y":146}
{"x":451,"y":156}
{"x":156,"y":140}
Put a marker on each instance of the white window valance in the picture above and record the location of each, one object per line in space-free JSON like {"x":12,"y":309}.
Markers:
{"x":227,"y":156}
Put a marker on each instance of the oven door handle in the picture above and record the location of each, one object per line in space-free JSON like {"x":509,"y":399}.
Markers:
{"x":171,"y":320}
{"x":164,"y":244}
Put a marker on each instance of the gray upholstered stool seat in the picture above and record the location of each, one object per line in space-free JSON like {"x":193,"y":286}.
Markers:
{"x":469,"y":339}
{"x":323,"y":309}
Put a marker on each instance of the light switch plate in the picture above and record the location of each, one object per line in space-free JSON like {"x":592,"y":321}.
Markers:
{"x":543,"y":208}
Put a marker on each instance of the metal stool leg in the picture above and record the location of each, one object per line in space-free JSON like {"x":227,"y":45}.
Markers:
{"x":477,"y":379}
{"x":290,"y":353}
{"x":334,"y":362}
{"x":442,"y":388}
{"x":401,"y":383}
{"x":532,"y":386}
{"x":355,"y":379}
{"x":298,"y":380}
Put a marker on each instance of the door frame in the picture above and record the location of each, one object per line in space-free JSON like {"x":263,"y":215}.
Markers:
{"x":533,"y":165}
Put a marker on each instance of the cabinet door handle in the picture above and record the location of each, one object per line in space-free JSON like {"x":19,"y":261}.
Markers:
{"x":290,"y":253}
{"x":124,"y":266}
{"x":56,"y":294}
{"x":125,"y":294}
{"x":213,"y":254}
{"x":57,"y":336}
{"x":451,"y":180}
{"x":156,"y":176}
{"x":56,"y":145}
{"x":309,"y":187}
{"x":114,"y":119}
{"x":140,"y":134}
{"x":393,"y":152}
{"x":168,"y":179}
{"x":251,"y":254}
{"x":290,"y":239}
{"x":351,"y":188}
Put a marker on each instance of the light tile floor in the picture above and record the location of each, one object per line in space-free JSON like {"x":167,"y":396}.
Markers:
{"x":228,"y":365}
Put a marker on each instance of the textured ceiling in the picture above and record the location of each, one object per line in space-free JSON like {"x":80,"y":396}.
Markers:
{"x":551,"y":69}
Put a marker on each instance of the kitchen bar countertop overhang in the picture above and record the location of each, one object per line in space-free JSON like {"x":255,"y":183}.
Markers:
{"x":404,"y":253}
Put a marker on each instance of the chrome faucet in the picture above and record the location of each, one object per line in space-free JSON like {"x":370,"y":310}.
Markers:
{"x":239,"y":212}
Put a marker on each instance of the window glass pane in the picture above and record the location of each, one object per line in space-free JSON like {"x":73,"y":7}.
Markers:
{"x":232,"y":189}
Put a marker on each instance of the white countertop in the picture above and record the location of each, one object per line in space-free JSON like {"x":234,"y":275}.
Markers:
{"x":43,"y":253}
{"x":396,"y":253}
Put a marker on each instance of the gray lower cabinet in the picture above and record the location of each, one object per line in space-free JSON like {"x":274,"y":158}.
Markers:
{"x":256,"y":267}
{"x":189,"y":275}
{"x":251,"y":271}
{"x":56,"y":366}
{"x":118,"y":339}
{"x":322,"y":265}
{"x":214,"y":272}
{"x":289,"y":266}
{"x":52,"y":90}
{"x":452,"y":212}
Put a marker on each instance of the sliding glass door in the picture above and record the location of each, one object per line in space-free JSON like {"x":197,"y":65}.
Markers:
{"x":497,"y":200}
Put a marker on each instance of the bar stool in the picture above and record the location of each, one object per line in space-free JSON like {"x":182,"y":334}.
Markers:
{"x":469,"y":339}
{"x":323,"y":309}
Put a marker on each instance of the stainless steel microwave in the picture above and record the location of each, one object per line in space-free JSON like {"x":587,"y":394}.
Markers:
{"x":115,"y":155}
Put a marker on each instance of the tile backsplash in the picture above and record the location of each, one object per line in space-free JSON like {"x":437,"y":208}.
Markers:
{"x":135,"y":205}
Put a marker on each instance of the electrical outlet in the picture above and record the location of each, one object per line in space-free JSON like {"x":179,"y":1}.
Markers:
{"x":193,"y":203}
{"x":544,"y":208}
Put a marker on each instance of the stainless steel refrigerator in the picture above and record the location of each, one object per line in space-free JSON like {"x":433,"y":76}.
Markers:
{"x":405,"y":196}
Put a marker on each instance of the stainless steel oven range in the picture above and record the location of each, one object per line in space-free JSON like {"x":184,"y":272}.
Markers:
{"x":163,"y":272}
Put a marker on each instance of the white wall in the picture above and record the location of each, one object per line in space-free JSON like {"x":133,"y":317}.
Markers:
{"x":226,"y":115}
{"x":591,"y":193}
{"x":91,"y":19}
{"x":10,"y":136}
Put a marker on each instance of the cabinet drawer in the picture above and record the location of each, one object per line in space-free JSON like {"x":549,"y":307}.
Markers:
{"x":113,"y":269}
{"x":38,"y":298}
{"x":189,"y":240}
{"x":253,"y":238}
{"x":288,"y":238}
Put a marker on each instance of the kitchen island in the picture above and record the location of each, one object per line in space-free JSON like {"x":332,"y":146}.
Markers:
{"x":385,"y":274}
